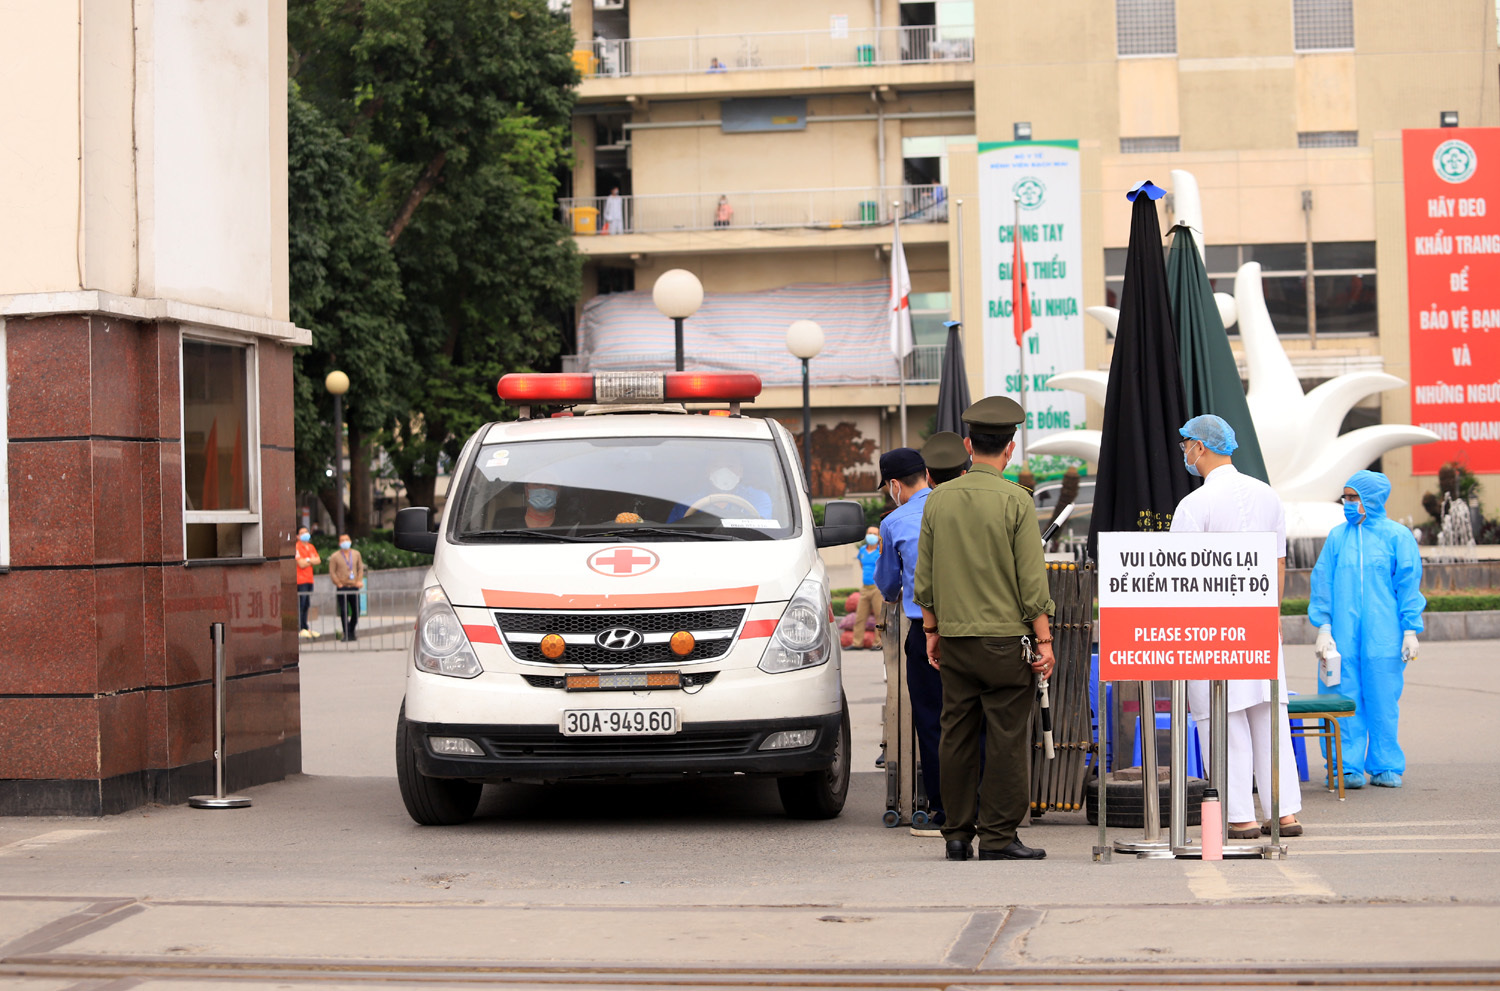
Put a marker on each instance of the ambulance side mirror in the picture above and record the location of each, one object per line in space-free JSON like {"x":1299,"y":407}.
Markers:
{"x":843,"y":523}
{"x":414,"y":530}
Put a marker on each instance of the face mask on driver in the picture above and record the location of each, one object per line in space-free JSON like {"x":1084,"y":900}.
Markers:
{"x":542,"y":499}
{"x":724,"y":479}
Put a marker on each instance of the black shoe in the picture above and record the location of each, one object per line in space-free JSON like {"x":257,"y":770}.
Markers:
{"x":1015,"y":851}
{"x":960,"y":850}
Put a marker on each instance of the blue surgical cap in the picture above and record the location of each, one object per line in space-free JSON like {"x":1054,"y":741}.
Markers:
{"x":1215,"y":434}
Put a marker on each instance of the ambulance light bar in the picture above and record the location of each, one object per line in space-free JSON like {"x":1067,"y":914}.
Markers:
{"x":528,"y":388}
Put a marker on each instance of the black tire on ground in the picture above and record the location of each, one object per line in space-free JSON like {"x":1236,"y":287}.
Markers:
{"x":1125,"y":803}
{"x":820,"y":794}
{"x":431,"y":801}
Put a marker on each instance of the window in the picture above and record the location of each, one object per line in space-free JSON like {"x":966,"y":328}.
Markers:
{"x":1145,"y":27}
{"x":1327,"y":139}
{"x":220,"y":448}
{"x":1343,"y":282}
{"x":1322,"y":25}
{"x":1146,"y":146}
{"x":929,"y":311}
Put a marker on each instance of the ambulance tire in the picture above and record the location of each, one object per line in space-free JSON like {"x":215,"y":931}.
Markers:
{"x":431,"y":801}
{"x":820,"y":794}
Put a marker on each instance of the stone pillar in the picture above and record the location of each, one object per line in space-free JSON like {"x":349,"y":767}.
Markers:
{"x":153,"y":201}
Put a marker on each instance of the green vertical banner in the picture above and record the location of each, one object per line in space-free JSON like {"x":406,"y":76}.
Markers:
{"x":1044,"y":176}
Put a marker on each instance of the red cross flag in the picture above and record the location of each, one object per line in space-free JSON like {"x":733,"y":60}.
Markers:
{"x":901,"y":337}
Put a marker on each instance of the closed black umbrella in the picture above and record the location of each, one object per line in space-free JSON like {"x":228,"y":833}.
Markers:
{"x":953,"y":384}
{"x":1141,"y":478}
{"x":1210,"y":380}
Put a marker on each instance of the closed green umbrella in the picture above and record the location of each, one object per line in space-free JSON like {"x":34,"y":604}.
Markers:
{"x":1210,"y":380}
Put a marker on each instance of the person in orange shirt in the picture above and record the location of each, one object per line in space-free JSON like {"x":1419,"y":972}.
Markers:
{"x":307,"y":559}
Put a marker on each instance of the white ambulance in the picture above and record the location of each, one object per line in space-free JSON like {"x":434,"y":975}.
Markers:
{"x":625,"y":590}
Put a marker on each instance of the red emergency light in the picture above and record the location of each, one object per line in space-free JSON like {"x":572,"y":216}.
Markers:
{"x":536,"y":388}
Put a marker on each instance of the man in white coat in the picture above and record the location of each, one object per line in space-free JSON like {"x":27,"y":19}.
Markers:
{"x":1230,"y":502}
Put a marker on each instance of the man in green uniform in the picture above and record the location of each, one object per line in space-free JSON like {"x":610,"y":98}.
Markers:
{"x":945,"y":456}
{"x":981,"y":583}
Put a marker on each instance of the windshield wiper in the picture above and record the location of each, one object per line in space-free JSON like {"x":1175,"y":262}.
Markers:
{"x":522,"y":535}
{"x":656,"y":531}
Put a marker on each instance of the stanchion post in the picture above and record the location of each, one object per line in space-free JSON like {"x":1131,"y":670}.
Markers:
{"x":1275,"y":850}
{"x":1103,"y":850}
{"x":1178,"y":788}
{"x":218,"y":800}
{"x":1218,"y":748}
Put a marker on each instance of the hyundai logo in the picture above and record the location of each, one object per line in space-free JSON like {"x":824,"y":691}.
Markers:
{"x":619,"y":638}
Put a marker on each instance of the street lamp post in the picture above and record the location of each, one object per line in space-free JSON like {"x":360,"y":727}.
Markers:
{"x":677,"y":294}
{"x":337,"y":383}
{"x":804,"y":338}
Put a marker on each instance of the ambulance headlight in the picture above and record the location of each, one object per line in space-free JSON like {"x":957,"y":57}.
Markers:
{"x":441,"y":646}
{"x":804,"y":636}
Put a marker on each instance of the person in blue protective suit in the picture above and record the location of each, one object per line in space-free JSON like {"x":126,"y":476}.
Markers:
{"x":1367,"y":604}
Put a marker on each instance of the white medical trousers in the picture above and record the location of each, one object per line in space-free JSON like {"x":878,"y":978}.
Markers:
{"x":1250,"y":753}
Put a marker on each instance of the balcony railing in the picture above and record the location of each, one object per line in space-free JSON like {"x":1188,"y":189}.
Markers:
{"x":778,"y":50}
{"x":855,"y":206}
{"x":775,"y":368}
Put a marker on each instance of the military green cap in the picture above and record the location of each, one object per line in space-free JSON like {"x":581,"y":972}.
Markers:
{"x":993,"y":414}
{"x":945,"y":451}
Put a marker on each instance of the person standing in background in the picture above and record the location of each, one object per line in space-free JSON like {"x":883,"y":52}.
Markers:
{"x":307,"y":559}
{"x":347,"y":569}
{"x":614,"y":213}
{"x":870,"y":601}
{"x":1367,"y":604}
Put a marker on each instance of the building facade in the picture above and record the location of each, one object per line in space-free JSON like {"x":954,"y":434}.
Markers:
{"x":145,"y":342}
{"x":820,"y":123}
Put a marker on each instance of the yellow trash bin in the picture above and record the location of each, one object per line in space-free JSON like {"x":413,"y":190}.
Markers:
{"x":583,"y":61}
{"x":585,"y":220}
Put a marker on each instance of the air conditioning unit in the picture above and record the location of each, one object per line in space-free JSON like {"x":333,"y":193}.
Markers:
{"x":609,"y":4}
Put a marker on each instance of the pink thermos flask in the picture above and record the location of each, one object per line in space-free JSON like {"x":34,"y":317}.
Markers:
{"x":1213,"y":825}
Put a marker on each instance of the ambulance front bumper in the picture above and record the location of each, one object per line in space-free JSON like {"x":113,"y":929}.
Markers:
{"x":543,"y":753}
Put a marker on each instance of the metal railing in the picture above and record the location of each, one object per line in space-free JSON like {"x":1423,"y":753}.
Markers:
{"x":851,"y":206}
{"x":825,"y":49}
{"x":382,"y":619}
{"x":776,"y":368}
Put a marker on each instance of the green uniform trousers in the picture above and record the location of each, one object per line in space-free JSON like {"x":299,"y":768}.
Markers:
{"x":988,"y":688}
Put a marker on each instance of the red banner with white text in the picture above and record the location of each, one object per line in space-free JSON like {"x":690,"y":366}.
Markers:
{"x":1452,"y":178}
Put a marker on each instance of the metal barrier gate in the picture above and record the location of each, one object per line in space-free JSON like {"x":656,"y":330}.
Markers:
{"x":379,"y":619}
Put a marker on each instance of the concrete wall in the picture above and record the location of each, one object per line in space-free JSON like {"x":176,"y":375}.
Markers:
{"x":147,"y":153}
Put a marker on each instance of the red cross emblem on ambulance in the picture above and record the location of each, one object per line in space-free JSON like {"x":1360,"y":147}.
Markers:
{"x":623,"y":562}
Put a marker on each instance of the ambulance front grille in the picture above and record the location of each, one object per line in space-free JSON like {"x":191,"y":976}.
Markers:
{"x":713,"y":628}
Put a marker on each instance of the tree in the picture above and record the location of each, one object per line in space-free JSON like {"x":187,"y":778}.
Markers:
{"x":460,"y":112}
{"x":345,"y":288}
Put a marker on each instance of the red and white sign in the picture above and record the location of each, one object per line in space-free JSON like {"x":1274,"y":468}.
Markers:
{"x":1452,"y":176}
{"x":623,"y":562}
{"x":1188,"y":606}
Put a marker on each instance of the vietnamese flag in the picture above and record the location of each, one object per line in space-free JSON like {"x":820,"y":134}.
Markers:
{"x":1020,"y":295}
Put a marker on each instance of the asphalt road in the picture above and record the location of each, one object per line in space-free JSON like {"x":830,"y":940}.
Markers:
{"x":326,"y":882}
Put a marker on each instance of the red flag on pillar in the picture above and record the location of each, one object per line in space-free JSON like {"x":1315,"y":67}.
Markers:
{"x":1020,"y":295}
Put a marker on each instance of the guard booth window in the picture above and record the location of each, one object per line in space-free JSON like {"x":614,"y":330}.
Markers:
{"x":220,"y":482}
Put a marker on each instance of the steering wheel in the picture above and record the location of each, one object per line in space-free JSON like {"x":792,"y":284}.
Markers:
{"x":722,"y":497}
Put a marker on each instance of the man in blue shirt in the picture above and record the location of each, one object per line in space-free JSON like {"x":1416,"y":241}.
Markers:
{"x":903,"y":475}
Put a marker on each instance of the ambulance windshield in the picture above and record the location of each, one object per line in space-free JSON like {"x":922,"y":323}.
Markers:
{"x":625,"y":489}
